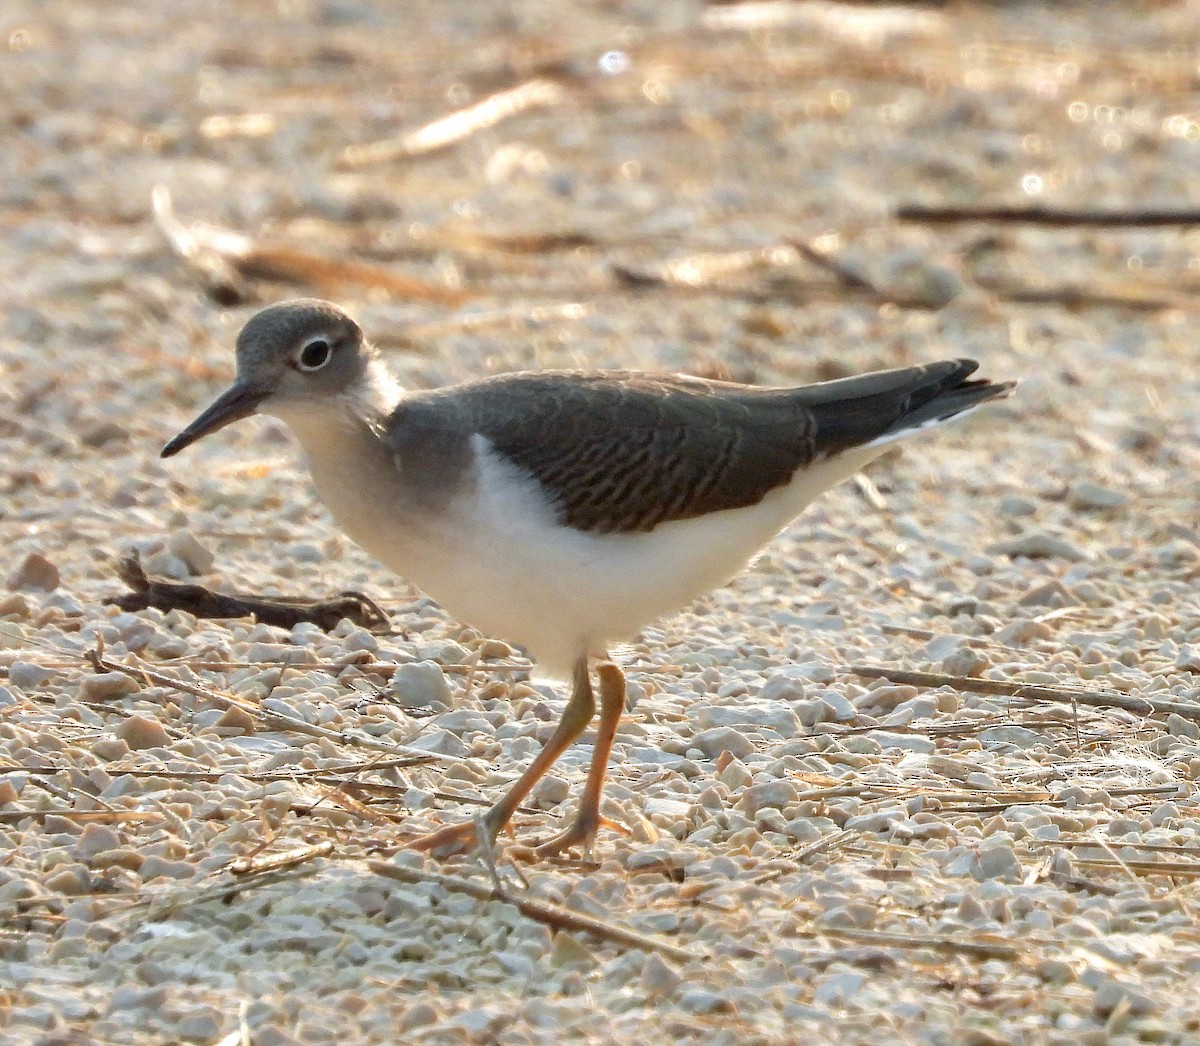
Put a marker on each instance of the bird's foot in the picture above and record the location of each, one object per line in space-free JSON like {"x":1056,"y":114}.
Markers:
{"x":458,"y":838}
{"x":581,"y":833}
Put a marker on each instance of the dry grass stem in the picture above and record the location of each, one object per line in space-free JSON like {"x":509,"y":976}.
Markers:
{"x":225,"y":262}
{"x":979,"y":948}
{"x":272,"y":719}
{"x":552,"y":915}
{"x":453,"y":128}
{"x":280,"y":861}
{"x":1033,"y":692}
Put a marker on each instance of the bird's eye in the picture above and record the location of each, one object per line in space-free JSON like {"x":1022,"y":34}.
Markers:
{"x":314,"y":355}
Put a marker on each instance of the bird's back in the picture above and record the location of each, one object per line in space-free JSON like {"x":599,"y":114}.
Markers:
{"x":622,"y":452}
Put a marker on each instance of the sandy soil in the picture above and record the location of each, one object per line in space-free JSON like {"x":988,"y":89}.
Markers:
{"x":814,"y":853}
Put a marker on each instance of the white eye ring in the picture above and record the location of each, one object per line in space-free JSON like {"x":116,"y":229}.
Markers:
{"x":314,"y":354}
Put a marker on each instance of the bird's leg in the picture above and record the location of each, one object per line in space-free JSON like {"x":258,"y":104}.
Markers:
{"x":575,"y":718}
{"x":582,"y":830}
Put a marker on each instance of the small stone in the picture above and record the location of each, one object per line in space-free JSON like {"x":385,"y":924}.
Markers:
{"x":236,"y":718}
{"x":839,"y":988}
{"x":923,"y":706}
{"x":1111,"y":993}
{"x":420,"y":1015}
{"x":418,"y":799}
{"x":550,"y":791}
{"x":70,"y":879}
{"x":1055,"y":971}
{"x":1014,"y":505}
{"x":812,"y":712}
{"x":723,"y":739}
{"x":25,"y":675}
{"x":1188,"y":659}
{"x":183,"y":543}
{"x":1087,"y":495}
{"x":140,"y":732}
{"x":889,"y":695}
{"x":658,"y":977}
{"x":360,"y":639}
{"x":1178,"y":726}
{"x":1017,"y":736}
{"x":857,"y":915}
{"x":1021,"y":631}
{"x":14,"y":605}
{"x":782,"y":686}
{"x":771,"y":795}
{"x":997,"y":862}
{"x":203,"y":1026}
{"x":663,"y":811}
{"x":778,"y":717}
{"x":95,"y":838}
{"x":966,"y":662}
{"x":734,"y":774}
{"x":1039,"y":544}
{"x":105,"y":686}
{"x":702,"y":1000}
{"x":956,"y":769}
{"x":155,"y":867}
{"x":838,"y":707}
{"x":1165,"y":814}
{"x":421,"y":684}
{"x":35,"y":574}
{"x":814,"y":671}
{"x":910,"y":275}
{"x":1050,"y":594}
{"x":490,"y":649}
{"x":279,"y":653}
{"x":567,"y":952}
{"x":445,"y":652}
{"x":441,"y":742}
{"x":103,"y":432}
{"x":983,"y":1037}
{"x":131,"y":997}
{"x":110,"y":749}
{"x":1175,"y":553}
{"x":907,"y":742}
{"x":306,"y":552}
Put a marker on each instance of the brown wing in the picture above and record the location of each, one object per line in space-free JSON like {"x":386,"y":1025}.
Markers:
{"x":623,"y":452}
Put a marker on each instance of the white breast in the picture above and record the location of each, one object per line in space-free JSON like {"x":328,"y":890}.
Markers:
{"x":496,"y":557}
{"x":503,"y":563}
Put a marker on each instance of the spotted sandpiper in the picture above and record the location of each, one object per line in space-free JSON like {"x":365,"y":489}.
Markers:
{"x":564,"y":510}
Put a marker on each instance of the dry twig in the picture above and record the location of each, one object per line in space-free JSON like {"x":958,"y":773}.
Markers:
{"x":280,"y":861}
{"x":980,"y":947}
{"x":278,"y":720}
{"x":552,"y":915}
{"x":1050,"y":216}
{"x":281,"y":611}
{"x":225,"y":261}
{"x":455,"y":127}
{"x":1034,"y":692}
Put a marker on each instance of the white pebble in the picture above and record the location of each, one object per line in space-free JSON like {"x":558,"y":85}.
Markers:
{"x":420,"y":684}
{"x":185,"y":545}
{"x":723,"y":739}
{"x":839,"y":988}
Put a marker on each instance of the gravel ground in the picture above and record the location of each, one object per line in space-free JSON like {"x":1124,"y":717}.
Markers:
{"x":813,"y":853}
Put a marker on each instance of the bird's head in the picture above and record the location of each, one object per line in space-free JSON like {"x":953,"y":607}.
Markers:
{"x":291,"y":358}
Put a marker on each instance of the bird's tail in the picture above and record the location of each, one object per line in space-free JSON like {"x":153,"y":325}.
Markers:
{"x":888,"y":405}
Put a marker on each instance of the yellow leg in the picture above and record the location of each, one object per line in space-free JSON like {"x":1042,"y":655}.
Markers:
{"x":575,"y":718}
{"x":582,"y":831}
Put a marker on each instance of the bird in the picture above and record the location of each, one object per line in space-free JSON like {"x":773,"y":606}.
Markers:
{"x":564,"y":510}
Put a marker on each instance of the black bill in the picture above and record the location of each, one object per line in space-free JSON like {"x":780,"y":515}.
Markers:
{"x":237,"y":402}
